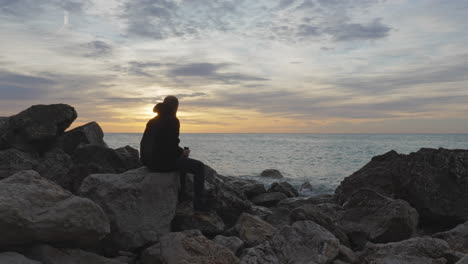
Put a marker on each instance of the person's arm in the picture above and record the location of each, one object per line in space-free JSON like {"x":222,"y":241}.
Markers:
{"x":146,"y":144}
{"x":175,"y":137}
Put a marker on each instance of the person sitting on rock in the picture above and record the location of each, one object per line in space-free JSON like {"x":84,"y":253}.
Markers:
{"x":160,"y":150}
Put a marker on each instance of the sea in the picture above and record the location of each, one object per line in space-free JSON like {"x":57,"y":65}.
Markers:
{"x":323,"y":160}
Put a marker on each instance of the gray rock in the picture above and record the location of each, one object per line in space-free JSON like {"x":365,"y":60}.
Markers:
{"x":463,"y":260}
{"x":457,"y":238}
{"x":38,"y":127}
{"x":284,"y":187}
{"x":129,"y":156}
{"x":419,"y":250}
{"x":15,"y":258}
{"x":13,"y":160}
{"x":252,"y":230}
{"x":140,"y":204}
{"x":253,"y":189}
{"x":187,"y":247}
{"x":55,"y":165}
{"x":271,"y":173}
{"x":260,"y":211}
{"x":87,"y":134}
{"x":49,"y":255}
{"x":433,"y":181}
{"x":261,"y":254}
{"x":305,"y":242}
{"x":233,"y":243}
{"x":369,"y":216}
{"x":33,"y":209}
{"x":268,"y":199}
{"x":306,"y":187}
{"x":347,"y":255}
{"x":209,"y":223}
{"x":3,"y":132}
{"x":279,"y":217}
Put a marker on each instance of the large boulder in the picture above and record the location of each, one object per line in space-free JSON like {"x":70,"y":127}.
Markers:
{"x":419,"y":250}
{"x":87,"y":134}
{"x":33,"y":209}
{"x":271,"y":173}
{"x":252,"y":230}
{"x":284,"y":187}
{"x":55,"y":165}
{"x":13,"y":160}
{"x":140,"y":204}
{"x":209,"y":223}
{"x":49,"y":255}
{"x":369,"y":216}
{"x":433,"y":181}
{"x":457,"y":238}
{"x":187,"y":247}
{"x":15,"y":258}
{"x":37,"y":128}
{"x":253,"y":189}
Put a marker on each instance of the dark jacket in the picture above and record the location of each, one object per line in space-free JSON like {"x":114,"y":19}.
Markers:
{"x":159,"y":146}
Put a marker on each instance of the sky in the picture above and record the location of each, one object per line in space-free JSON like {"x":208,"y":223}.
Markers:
{"x":242,"y":66}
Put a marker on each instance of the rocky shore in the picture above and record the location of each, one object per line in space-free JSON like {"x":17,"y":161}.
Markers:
{"x":67,"y":198}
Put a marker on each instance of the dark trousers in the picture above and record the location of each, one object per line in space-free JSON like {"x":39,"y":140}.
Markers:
{"x":197,"y":168}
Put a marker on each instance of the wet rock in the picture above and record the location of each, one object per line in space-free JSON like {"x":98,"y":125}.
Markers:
{"x":15,"y":258}
{"x":261,"y":254}
{"x":38,"y":127}
{"x":268,"y":199}
{"x":233,"y":243}
{"x":369,"y":216}
{"x":33,"y":209}
{"x":284,"y":187}
{"x":433,"y":181}
{"x":187,"y":247}
{"x":50,"y":255}
{"x":457,"y":238}
{"x":87,"y":134}
{"x":209,"y":223}
{"x":252,"y":230}
{"x":271,"y":173}
{"x":13,"y":160}
{"x":306,"y":187}
{"x":419,"y":250}
{"x":140,"y":204}
{"x":305,"y":242}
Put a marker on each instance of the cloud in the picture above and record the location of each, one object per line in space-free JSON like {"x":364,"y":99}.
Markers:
{"x":95,"y":48}
{"x":353,"y":31}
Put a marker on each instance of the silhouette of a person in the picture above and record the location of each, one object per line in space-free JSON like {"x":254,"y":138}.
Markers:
{"x":160,"y":149}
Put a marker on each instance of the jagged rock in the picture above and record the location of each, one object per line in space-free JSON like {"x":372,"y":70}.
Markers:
{"x":369,"y":216}
{"x":260,"y":211}
{"x":187,"y":247}
{"x":463,"y":260}
{"x":251,"y":190}
{"x":268,"y":199}
{"x":284,"y":187}
{"x":33,"y":209}
{"x":271,"y":173}
{"x":319,"y":215}
{"x":261,"y":254}
{"x":457,"y":238}
{"x":93,"y":159}
{"x":233,"y":243}
{"x":15,"y":258}
{"x":13,"y":160}
{"x":305,"y":242}
{"x":37,"y":128}
{"x":55,"y":165}
{"x":252,"y":230}
{"x":433,"y":181}
{"x":140,"y":204}
{"x":130,"y":157}
{"x":50,"y":255}
{"x":279,"y":217}
{"x":209,"y":223}
{"x":418,"y":250}
{"x":88,"y":134}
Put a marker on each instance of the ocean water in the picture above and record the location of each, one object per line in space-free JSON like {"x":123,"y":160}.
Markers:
{"x":324,"y":160}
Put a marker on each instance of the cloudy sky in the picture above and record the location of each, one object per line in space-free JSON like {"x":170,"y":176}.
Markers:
{"x":328,"y":66}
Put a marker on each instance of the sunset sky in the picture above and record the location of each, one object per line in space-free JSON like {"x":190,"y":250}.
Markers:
{"x":266,"y":66}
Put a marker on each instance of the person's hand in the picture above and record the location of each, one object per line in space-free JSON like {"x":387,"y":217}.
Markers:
{"x":186,"y":153}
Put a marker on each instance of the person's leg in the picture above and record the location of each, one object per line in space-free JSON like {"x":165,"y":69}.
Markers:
{"x":197,"y":168}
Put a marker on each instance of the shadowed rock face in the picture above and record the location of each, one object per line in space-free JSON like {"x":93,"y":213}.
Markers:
{"x":15,"y":258}
{"x":433,"y":181}
{"x":88,"y":134}
{"x":457,"y":238}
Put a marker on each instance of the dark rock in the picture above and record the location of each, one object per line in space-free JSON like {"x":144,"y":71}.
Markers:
{"x":15,"y":258}
{"x":50,"y":255}
{"x":55,"y":165}
{"x":347,"y":255}
{"x":88,"y":134}
{"x":268,"y":199}
{"x":260,"y":211}
{"x":271,"y":173}
{"x":433,"y":181}
{"x":369,"y":216}
{"x":306,"y":187}
{"x":252,"y":230}
{"x":284,"y":187}
{"x":419,"y":250}
{"x":38,"y":127}
{"x":463,"y":260}
{"x":233,"y":243}
{"x":279,"y":217}
{"x":296,"y":202}
{"x":251,"y":190}
{"x":140,"y":205}
{"x":33,"y":209}
{"x":13,"y":160}
{"x":129,"y":156}
{"x":209,"y":223}
{"x":457,"y":238}
{"x":261,"y":254}
{"x":187,"y":247}
{"x":305,"y":242}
